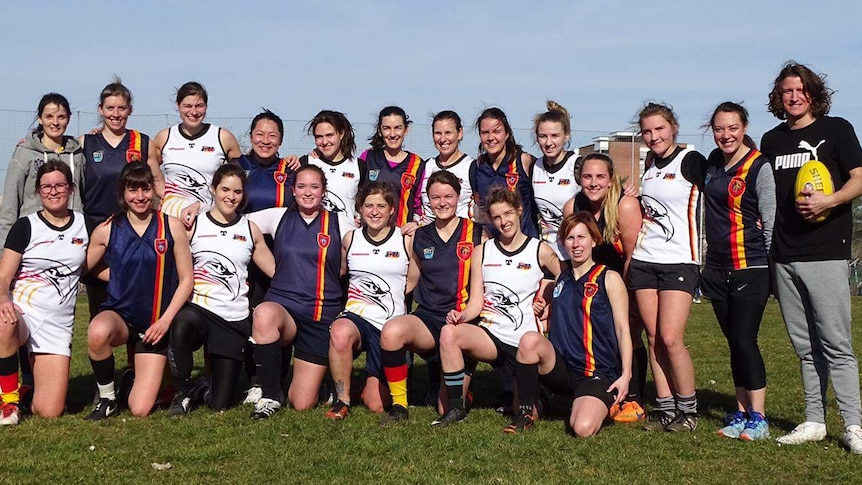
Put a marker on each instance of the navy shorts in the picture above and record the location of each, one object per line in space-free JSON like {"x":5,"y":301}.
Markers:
{"x":655,"y":276}
{"x":312,"y":341}
{"x":434,"y":322}
{"x":506,"y":354}
{"x":136,"y":341}
{"x":562,"y":381}
{"x":369,"y":343}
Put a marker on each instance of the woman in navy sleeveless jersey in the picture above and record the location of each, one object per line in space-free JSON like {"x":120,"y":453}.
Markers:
{"x":442,"y":251}
{"x":304,"y":297}
{"x":381,"y":274}
{"x":502,"y":163}
{"x":105,"y":155}
{"x":507,"y":274}
{"x":588,"y":352}
{"x":387,"y":161}
{"x":149,"y":277}
{"x":223,"y":245}
{"x":42,"y":262}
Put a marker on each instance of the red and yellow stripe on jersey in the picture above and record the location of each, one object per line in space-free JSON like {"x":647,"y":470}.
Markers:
{"x":280,"y":190}
{"x":161,"y":255}
{"x":134,"y":153}
{"x":465,"y":253}
{"x":408,"y":184}
{"x":734,"y":202}
{"x":590,"y":289}
{"x":322,"y":249}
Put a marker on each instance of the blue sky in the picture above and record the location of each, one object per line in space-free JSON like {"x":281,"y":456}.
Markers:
{"x":600,"y":59}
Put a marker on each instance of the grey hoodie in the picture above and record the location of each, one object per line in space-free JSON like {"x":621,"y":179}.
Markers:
{"x":19,"y":191}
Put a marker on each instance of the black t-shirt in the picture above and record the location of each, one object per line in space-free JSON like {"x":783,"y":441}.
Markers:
{"x":833,"y":142}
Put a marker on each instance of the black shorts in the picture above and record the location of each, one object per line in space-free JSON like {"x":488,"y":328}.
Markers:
{"x":369,"y":343}
{"x":434,"y":322}
{"x":506,"y":354}
{"x":655,"y":276}
{"x":136,"y":341}
{"x":747,"y":284}
{"x":224,"y":338}
{"x":561,"y":381}
{"x":312,"y":341}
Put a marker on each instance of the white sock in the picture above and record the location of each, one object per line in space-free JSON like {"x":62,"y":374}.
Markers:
{"x":106,"y":391}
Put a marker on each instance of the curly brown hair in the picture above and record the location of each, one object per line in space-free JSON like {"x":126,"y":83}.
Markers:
{"x":815,"y":87}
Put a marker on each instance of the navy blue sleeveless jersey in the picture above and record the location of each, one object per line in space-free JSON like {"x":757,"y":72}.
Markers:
{"x":582,"y":325}
{"x":405,"y":178}
{"x":307,"y":266}
{"x":608,"y":253}
{"x":143,"y":272}
{"x":732,"y":215}
{"x":511,"y":175}
{"x":102,"y":166}
{"x":444,"y":278}
{"x":267,"y":186}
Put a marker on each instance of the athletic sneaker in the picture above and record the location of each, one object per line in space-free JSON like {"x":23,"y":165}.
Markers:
{"x":629,"y":412}
{"x":181,"y":404}
{"x":104,"y":408}
{"x":756,"y":428}
{"x":253,"y":395}
{"x":657,"y":420}
{"x":395,"y":414}
{"x":805,"y":432}
{"x":520,"y":423}
{"x":265,"y":408}
{"x":852,"y":439}
{"x":682,"y":422}
{"x":338,"y":411}
{"x":452,"y":416}
{"x":9,"y":414}
{"x":734,"y":424}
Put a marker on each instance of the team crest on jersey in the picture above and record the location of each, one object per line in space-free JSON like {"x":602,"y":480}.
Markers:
{"x":407,"y":181}
{"x":512,"y":180}
{"x":392,"y":254}
{"x":207,"y":149}
{"x":97,"y":156}
{"x":428,"y":253}
{"x":558,"y":289}
{"x":161,"y":245}
{"x":280,"y":177}
{"x":736,"y":187}
{"x":524,"y":266}
{"x":590,"y":289}
{"x":373,"y":174}
{"x":323,"y":240}
{"x":133,"y":156}
{"x":465,"y":250}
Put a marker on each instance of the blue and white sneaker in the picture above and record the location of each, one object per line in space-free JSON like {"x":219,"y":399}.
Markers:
{"x":735,"y":424}
{"x":756,"y":428}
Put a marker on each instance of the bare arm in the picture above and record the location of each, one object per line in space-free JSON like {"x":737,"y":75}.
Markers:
{"x":185,"y":273}
{"x":98,"y":247}
{"x":261,"y":256}
{"x":630,"y":222}
{"x":154,"y":161}
{"x":569,"y":207}
{"x":815,"y":203}
{"x":229,"y":144}
{"x":9,"y":263}
{"x":619,"y":299}
{"x":346,"y":241}
{"x":413,"y":267}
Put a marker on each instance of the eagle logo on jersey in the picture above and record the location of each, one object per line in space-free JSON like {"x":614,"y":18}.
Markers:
{"x":503,"y":302}
{"x":656,"y":213}
{"x":323,"y":240}
{"x":133,"y":155}
{"x":550,"y":216}
{"x":407,"y":181}
{"x":512,"y":180}
{"x":183,"y":181}
{"x":369,"y":290}
{"x":280,"y":177}
{"x":590,"y":289}
{"x":57,"y":275}
{"x":736,"y":187}
{"x":464,"y":250}
{"x":215,"y":270}
{"x":161,"y":245}
{"x":333,"y":203}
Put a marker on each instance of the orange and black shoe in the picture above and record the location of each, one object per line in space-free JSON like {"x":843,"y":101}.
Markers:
{"x":520,"y":422}
{"x":628,"y":412}
{"x":338,"y":411}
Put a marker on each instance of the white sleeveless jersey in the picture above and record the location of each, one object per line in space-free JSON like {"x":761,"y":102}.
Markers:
{"x":342,"y":183}
{"x":511,"y":283}
{"x":553,"y":187}
{"x":669,"y":203}
{"x":378,"y":277}
{"x":46,"y":285}
{"x":460,"y":169}
{"x":221,"y":255}
{"x":188,"y":165}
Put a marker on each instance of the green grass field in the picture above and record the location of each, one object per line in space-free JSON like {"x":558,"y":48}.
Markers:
{"x":303,"y":447}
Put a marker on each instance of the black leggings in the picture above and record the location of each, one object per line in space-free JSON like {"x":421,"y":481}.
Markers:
{"x":190,"y":331}
{"x":738,"y":300}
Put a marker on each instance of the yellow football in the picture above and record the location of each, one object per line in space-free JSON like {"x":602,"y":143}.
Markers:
{"x":814,"y":176}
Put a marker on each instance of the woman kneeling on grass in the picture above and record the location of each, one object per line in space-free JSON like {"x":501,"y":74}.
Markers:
{"x":588,"y":352}
{"x":507,"y":273}
{"x":41,"y":263}
{"x":149,"y":279}
{"x":381,"y":274}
